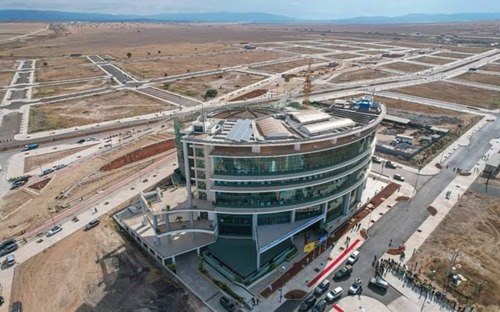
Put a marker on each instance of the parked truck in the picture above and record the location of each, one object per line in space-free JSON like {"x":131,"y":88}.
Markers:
{"x":31,"y":146}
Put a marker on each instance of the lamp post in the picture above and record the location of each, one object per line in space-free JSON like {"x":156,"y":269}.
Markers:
{"x":283,"y":268}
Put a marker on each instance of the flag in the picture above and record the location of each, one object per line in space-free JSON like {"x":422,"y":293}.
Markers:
{"x":309,"y":247}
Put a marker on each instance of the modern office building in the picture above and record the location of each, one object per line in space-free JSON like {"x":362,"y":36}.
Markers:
{"x":259,"y":177}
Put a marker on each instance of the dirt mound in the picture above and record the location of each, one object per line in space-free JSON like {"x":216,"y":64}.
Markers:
{"x":40,"y":185}
{"x":433,"y":211}
{"x":295,"y":294}
{"x":402,"y":198}
{"x":250,"y":95}
{"x":396,"y":251}
{"x":140,"y":154}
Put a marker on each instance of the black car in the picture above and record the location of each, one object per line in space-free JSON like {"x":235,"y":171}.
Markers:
{"x":345,"y":271}
{"x":17,"y":307}
{"x":81,"y":141}
{"x":7,"y":247}
{"x":320,"y":307}
{"x":92,"y":224}
{"x":307,"y":304}
{"x":1,"y":301}
{"x":227,"y":304}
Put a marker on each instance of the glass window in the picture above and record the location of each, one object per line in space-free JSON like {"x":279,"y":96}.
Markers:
{"x":235,"y":225}
{"x":307,"y":213}
{"x":334,"y":209}
{"x":290,"y":163}
{"x":274,"y":218}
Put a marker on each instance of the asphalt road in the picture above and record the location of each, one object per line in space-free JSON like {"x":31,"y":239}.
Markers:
{"x":18,"y":94}
{"x":119,"y":75}
{"x":170,"y":97}
{"x":400,"y":222}
{"x":23,"y":78}
{"x":11,"y":123}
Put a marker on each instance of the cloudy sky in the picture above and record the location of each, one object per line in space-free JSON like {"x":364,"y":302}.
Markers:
{"x":306,"y":9}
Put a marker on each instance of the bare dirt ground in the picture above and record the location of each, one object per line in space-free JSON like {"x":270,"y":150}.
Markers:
{"x":64,"y":73}
{"x":8,"y":65}
{"x":406,"y":67}
{"x":455,"y":93}
{"x":491,"y":67}
{"x":303,"y":50}
{"x":371,"y":52}
{"x":62,"y":61}
{"x":362,"y":74}
{"x":432,"y":60}
{"x":339,"y":47}
{"x":66,"y":88}
{"x":469,"y":49}
{"x":179,"y":65}
{"x":223,"y":83}
{"x":78,"y":175}
{"x":476,"y":237}
{"x":480,"y":78}
{"x":16,"y":29}
{"x":93,"y":109}
{"x":6,"y":78}
{"x":282,"y":67}
{"x":102,"y":271}
{"x":33,"y":162}
{"x":452,"y":55}
{"x":343,"y":56}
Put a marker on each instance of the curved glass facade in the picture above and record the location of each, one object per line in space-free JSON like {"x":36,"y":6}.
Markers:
{"x":288,"y":197}
{"x":292,"y":163}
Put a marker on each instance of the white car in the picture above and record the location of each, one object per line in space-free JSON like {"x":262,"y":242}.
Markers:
{"x":380,"y":282}
{"x":356,"y":286}
{"x":353,"y":257}
{"x":334,"y":294}
{"x":55,"y":229}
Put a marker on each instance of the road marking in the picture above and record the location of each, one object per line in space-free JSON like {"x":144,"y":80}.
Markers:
{"x":331,"y":265}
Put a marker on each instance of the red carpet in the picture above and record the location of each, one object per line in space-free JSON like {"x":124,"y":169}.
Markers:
{"x":336,"y":307}
{"x":331,"y":265}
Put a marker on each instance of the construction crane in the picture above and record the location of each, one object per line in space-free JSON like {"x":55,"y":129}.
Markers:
{"x":307,"y":87}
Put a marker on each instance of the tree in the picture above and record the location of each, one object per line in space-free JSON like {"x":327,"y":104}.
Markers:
{"x":211,"y":93}
{"x":129,"y":55}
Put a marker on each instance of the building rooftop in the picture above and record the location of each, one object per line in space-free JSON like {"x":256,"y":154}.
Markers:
{"x":397,"y":119}
{"x":240,"y":126}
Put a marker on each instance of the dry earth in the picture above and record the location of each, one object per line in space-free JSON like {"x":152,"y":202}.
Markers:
{"x":62,"y":61}
{"x":282,"y":67}
{"x":406,"y":67}
{"x":491,"y":67}
{"x":98,"y":271}
{"x":63,"y":73}
{"x":480,"y":78}
{"x":33,"y":162}
{"x":362,"y":74}
{"x":223,"y":83}
{"x":6,"y":78}
{"x":476,"y":237}
{"x":454,"y":93}
{"x":93,"y":109}
{"x":66,"y":88}
{"x":432,"y":60}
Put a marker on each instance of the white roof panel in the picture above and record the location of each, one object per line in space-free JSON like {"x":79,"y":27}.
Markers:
{"x":321,"y":127}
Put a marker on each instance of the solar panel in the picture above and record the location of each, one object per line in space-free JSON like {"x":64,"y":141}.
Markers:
{"x":241,"y":131}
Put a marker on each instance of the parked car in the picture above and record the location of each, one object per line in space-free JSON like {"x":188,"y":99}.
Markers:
{"x":17,"y":307}
{"x":345,"y":271}
{"x":379,"y":282}
{"x":92,"y":224}
{"x":54,"y":230}
{"x":60,"y":166}
{"x":8,"y":247}
{"x":47,"y":171}
{"x":17,"y":184}
{"x":227,"y":304}
{"x":2,"y":300}
{"x":398,"y":177}
{"x":355,"y":287}
{"x":390,"y":164}
{"x":353,"y":257}
{"x":334,"y":294}
{"x":80,"y":141}
{"x":377,"y":160}
{"x":320,"y":306}
{"x":322,"y":287}
{"x":10,"y":260}
{"x":307,"y":304}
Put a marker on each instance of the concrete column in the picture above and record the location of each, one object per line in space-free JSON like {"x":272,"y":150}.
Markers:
{"x":258,"y":260}
{"x":155,"y":222}
{"x":325,"y":211}
{"x":254,"y":226}
{"x":293,"y":216}
{"x":191,"y":219}
{"x":359,"y":191}
{"x":188,"y":174}
{"x":166,"y":221}
{"x":173,"y":259}
{"x":345,"y":203}
{"x":198,"y":252}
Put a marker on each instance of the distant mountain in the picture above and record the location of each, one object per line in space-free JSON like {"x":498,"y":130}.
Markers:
{"x":231,"y":17}
{"x":420,"y":18}
{"x":221,"y":17}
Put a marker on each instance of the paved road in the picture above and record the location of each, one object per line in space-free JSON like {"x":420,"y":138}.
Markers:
{"x":17,"y":94}
{"x":118,"y":74}
{"x":171,"y":97}
{"x":10,"y":126}
{"x":23,"y":77}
